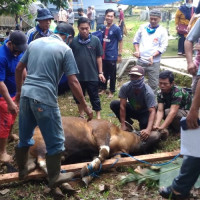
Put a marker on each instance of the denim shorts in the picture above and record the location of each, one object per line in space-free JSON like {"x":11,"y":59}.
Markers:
{"x":34,"y":113}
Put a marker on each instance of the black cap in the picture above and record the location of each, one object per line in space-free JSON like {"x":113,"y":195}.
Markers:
{"x":19,"y":39}
{"x":43,"y":13}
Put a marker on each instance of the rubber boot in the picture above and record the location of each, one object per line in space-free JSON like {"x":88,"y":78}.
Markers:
{"x":53,"y":163}
{"x":21,"y":155}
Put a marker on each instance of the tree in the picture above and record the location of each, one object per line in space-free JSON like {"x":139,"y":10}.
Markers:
{"x":57,"y":3}
{"x":14,"y":7}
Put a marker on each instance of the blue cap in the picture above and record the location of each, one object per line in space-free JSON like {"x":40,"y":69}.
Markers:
{"x":43,"y":13}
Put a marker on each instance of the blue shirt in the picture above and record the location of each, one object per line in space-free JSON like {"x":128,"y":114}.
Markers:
{"x":8,"y":63}
{"x":110,"y":42}
{"x":47,"y":58}
{"x":36,"y":33}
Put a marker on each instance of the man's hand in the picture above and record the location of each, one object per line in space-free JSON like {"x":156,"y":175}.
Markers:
{"x":145,"y":134}
{"x":191,"y":119}
{"x":155,"y":127}
{"x":102,"y":78}
{"x":150,"y":60}
{"x":192,"y":68}
{"x":89,"y":112}
{"x":189,"y":27}
{"x":136,"y":54}
{"x":196,"y":46}
{"x":119,"y":59}
{"x":17,"y":98}
{"x":13,"y":108}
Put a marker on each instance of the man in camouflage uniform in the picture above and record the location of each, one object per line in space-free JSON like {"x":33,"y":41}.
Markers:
{"x":173,"y":103}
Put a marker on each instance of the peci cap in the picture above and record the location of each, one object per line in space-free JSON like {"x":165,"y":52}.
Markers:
{"x":43,"y":13}
{"x":137,"y":70}
{"x":155,"y":13}
{"x":19,"y":39}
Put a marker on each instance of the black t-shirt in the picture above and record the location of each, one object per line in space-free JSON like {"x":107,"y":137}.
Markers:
{"x":86,"y":58}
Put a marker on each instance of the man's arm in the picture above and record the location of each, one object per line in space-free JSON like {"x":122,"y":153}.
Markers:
{"x":123,"y":113}
{"x":12,"y":107}
{"x":146,"y":132}
{"x":194,"y":110}
{"x":189,"y":53}
{"x":172,"y":113}
{"x":19,"y":78}
{"x":159,"y":115}
{"x":100,"y":69}
{"x":78,"y":93}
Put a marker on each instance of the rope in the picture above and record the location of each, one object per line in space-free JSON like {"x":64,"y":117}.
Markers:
{"x":145,"y":162}
{"x":96,"y":173}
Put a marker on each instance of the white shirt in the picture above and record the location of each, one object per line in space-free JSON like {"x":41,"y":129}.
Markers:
{"x":150,"y":43}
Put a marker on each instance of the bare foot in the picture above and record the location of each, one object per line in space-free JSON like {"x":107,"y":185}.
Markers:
{"x":13,"y":137}
{"x":4,"y":157}
{"x":111,"y":95}
{"x":102,"y":92}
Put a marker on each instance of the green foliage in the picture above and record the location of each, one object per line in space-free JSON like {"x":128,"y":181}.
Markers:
{"x":14,"y":7}
{"x":57,"y":3}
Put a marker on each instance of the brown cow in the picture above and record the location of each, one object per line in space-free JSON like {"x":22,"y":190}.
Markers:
{"x":88,"y":139}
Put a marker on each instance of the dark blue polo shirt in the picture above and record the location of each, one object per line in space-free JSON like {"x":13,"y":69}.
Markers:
{"x":8,"y":63}
{"x":110,"y":42}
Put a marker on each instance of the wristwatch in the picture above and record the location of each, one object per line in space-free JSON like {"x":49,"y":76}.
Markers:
{"x":119,"y":54}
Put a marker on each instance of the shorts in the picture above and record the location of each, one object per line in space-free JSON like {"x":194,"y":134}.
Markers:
{"x":6,"y":118}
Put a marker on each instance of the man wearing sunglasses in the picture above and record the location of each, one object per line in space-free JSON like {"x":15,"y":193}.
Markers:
{"x":10,"y":54}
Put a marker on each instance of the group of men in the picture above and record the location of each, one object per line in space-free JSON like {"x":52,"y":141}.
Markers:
{"x":66,"y":16}
{"x":37,"y":73}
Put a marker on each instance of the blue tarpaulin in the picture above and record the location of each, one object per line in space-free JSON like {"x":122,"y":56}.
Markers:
{"x":146,"y":2}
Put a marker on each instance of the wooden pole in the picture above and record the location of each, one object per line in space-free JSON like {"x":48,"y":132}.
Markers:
{"x":10,"y":177}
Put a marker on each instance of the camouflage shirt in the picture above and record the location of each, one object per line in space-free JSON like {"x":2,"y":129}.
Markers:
{"x":177,"y":96}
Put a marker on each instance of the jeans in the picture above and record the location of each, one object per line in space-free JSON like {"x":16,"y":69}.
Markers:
{"x":109,"y":70}
{"x":188,"y":175}
{"x":48,"y":118}
{"x":141,"y":115}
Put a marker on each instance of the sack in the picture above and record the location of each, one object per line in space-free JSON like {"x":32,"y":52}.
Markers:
{"x":182,"y":29}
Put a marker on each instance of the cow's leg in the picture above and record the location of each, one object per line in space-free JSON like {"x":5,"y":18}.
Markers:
{"x":42,"y":164}
{"x":95,"y":164}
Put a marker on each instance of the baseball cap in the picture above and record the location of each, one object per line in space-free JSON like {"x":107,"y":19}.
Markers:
{"x":43,"y":13}
{"x":137,"y":70}
{"x":19,"y":39}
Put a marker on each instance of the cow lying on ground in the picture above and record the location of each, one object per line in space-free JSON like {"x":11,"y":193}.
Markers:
{"x":98,"y":138}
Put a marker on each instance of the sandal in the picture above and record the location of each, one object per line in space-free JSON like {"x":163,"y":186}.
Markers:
{"x":167,"y":193}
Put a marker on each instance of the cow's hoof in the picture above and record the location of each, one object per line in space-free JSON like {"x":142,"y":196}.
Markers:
{"x":56,"y":193}
{"x":84,"y":171}
{"x":66,"y":187}
{"x":87,"y":180}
